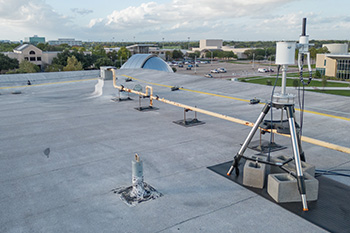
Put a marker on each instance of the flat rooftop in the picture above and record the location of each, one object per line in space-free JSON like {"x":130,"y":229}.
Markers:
{"x":92,"y":141}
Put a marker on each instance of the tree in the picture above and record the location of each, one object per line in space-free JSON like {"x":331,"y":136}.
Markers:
{"x":318,"y":74}
{"x":123,"y":53}
{"x":86,"y":60}
{"x":103,"y":61}
{"x":7,"y":63}
{"x":54,"y":68}
{"x":73,"y":64}
{"x":168,"y":55}
{"x":195,"y":54}
{"x":99,"y":51}
{"x":177,"y":54}
{"x":324,"y":81}
{"x":8,"y":47}
{"x":249,"y":53}
{"x":113,"y":55}
{"x":27,"y":67}
{"x":259,"y":57}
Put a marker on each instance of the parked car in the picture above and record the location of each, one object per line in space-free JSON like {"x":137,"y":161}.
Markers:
{"x":190,"y":65}
{"x":254,"y":101}
{"x":270,"y":70}
{"x":214,"y":71}
{"x":222,"y":70}
{"x":181,"y":66}
{"x":208,"y":76}
{"x":262,"y":70}
{"x":188,"y":68}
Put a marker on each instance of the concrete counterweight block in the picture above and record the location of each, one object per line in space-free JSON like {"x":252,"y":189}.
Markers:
{"x":283,"y":187}
{"x":254,"y":174}
{"x":306,"y":167}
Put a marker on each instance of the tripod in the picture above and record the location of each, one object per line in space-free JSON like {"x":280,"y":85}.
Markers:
{"x":296,"y":144}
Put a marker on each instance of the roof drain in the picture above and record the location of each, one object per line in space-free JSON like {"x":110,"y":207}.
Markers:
{"x":140,"y":191}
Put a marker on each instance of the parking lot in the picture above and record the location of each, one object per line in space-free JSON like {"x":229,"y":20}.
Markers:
{"x":234,"y":70}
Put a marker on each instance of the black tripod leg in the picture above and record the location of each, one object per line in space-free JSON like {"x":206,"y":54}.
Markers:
{"x":248,"y":140}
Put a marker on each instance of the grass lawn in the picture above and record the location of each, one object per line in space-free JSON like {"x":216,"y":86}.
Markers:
{"x":334,"y":92}
{"x":314,"y":83}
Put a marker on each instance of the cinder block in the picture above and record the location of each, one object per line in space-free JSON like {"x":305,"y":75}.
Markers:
{"x":259,"y":157}
{"x":306,"y":167}
{"x":277,"y":159}
{"x":254,"y":174}
{"x":283,"y":187}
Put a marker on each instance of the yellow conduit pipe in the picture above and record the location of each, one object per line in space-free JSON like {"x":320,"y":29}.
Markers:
{"x":231,"y":119}
{"x":149,"y":89}
{"x":247,"y":123}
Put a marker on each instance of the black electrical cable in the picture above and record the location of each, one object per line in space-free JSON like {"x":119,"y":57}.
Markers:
{"x":302,"y":101}
{"x":334,"y":172}
{"x":271,"y":124}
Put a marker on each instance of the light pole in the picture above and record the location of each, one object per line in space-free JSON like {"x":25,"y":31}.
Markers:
{"x":195,"y":64}
{"x":253,"y":61}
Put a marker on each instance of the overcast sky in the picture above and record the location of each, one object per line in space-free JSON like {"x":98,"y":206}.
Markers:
{"x":174,"y":20}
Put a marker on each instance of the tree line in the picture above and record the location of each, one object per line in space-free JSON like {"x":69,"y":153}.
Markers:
{"x":91,"y":55}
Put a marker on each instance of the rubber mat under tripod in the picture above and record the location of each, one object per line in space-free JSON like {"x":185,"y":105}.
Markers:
{"x":331,"y":211}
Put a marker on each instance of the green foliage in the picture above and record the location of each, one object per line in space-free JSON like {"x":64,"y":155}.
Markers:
{"x":174,"y":69}
{"x":220,"y":54}
{"x":313,"y":52}
{"x":261,"y":54}
{"x":334,"y":92}
{"x":86,"y":60}
{"x":47,"y":47}
{"x":73,"y":64}
{"x":324,"y":81}
{"x":8,"y":47}
{"x":7,"y":63}
{"x":27,"y":67}
{"x":195,"y":54}
{"x":268,"y":82}
{"x":99,"y":51}
{"x":314,"y":83}
{"x":177,"y":54}
{"x":259,"y":57}
{"x":317,"y":74}
{"x":113,"y":56}
{"x":296,"y":83}
{"x":168,"y":55}
{"x":103,"y":61}
{"x":123,"y":53}
{"x":54,"y":68}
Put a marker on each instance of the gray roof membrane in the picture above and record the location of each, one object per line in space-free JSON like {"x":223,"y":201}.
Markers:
{"x":64,"y":150}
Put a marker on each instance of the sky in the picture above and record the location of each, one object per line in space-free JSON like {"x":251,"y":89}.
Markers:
{"x":174,"y":20}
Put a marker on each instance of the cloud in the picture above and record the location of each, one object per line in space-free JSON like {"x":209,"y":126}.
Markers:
{"x":30,"y":15}
{"x":22,"y":18}
{"x":81,"y":11}
{"x":174,"y":19}
{"x":182,"y":15}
